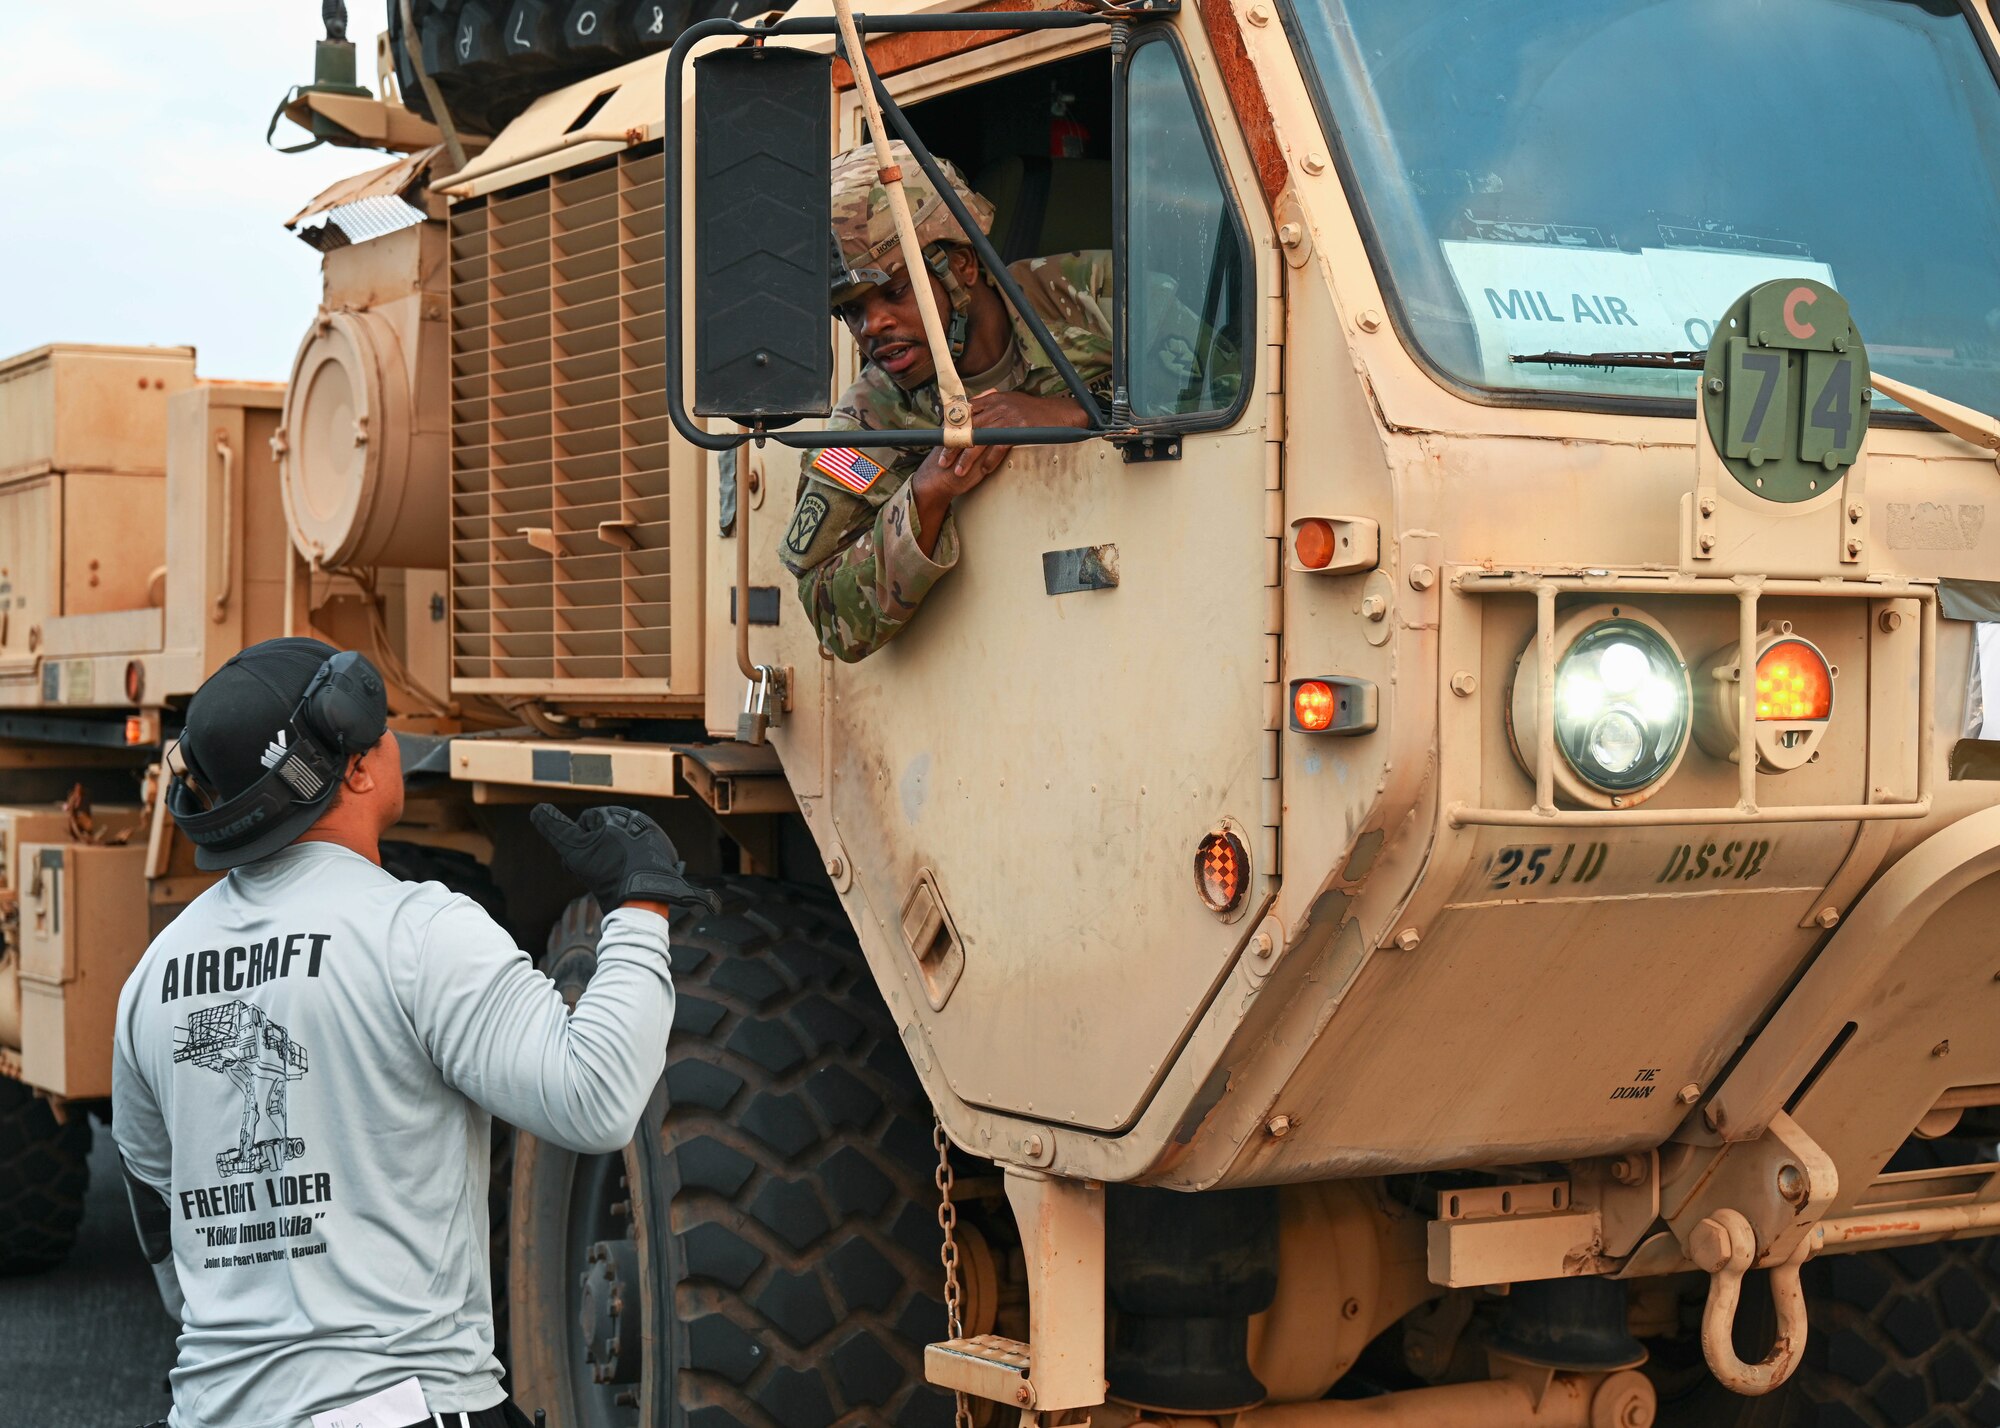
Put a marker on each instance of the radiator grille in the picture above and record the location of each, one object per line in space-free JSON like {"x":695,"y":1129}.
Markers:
{"x":559,"y":561}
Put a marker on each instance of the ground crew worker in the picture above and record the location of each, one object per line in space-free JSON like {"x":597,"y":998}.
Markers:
{"x":306,"y":1062}
{"x":872,"y":531}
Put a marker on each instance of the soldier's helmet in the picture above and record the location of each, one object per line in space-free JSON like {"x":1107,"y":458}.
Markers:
{"x":864,"y":226}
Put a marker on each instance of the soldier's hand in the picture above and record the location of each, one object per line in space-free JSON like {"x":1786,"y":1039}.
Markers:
{"x":621,"y":856}
{"x":946,"y":474}
{"x":1020,"y":409}
{"x":952,"y":473}
{"x":973,"y":464}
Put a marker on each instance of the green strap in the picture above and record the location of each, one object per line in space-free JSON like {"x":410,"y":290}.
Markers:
{"x":279,"y":113}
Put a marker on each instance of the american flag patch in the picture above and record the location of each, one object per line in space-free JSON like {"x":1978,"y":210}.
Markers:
{"x":844,"y":466}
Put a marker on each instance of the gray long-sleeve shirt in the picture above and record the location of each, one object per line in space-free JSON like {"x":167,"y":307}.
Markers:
{"x":306,"y":1064}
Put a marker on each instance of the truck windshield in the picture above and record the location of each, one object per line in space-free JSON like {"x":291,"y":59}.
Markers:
{"x":1594,"y":176}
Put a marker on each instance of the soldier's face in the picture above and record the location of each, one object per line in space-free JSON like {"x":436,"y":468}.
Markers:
{"x":889,"y":328}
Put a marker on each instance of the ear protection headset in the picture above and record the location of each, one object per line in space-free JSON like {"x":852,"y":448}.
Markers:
{"x":937,"y":257}
{"x":343,"y":711}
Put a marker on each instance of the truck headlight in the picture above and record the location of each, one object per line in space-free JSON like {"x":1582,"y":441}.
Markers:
{"x":1622,"y":707}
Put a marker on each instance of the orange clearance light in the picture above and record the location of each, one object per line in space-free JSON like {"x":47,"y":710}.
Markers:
{"x":1314,"y":543}
{"x":135,"y":729}
{"x":1313,"y":705}
{"x":1793,"y":683}
{"x":1221,"y":870}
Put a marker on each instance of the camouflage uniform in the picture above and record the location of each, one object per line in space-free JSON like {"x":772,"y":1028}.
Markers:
{"x":862,"y":573}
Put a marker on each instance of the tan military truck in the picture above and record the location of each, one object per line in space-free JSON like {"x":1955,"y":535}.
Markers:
{"x":1441,"y":879}
{"x":1445,"y":880}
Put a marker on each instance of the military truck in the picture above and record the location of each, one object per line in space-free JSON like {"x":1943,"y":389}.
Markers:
{"x":1370,"y":864}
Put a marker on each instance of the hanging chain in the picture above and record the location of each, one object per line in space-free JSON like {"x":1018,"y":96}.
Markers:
{"x":947,"y":1218}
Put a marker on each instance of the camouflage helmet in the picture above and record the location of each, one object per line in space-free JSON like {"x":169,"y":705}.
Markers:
{"x":864,"y":226}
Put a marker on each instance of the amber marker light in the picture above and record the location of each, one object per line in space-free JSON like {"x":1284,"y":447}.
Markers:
{"x":1790,"y":700}
{"x":1313,"y":543}
{"x":1794,"y":684}
{"x":1221,"y":871}
{"x":1313,"y":705}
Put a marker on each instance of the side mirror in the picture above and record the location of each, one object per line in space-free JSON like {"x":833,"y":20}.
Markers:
{"x":763,"y":344}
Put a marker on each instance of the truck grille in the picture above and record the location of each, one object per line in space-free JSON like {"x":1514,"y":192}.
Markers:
{"x":559,"y":554}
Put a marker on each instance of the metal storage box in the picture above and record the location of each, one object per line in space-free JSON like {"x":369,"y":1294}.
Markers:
{"x":68,"y":408}
{"x":83,"y":928}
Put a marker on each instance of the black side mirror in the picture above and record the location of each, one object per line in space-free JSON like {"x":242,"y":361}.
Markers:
{"x":763,"y":345}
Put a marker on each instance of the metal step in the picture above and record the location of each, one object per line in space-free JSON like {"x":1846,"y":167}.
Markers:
{"x":986,"y":1367}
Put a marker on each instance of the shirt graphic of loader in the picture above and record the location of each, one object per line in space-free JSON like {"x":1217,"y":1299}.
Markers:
{"x":239,"y":1041}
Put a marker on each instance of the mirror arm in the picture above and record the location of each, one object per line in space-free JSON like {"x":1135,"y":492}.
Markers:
{"x":952,"y":401}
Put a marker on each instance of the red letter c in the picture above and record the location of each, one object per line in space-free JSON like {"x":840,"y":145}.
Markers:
{"x":1794,"y":300}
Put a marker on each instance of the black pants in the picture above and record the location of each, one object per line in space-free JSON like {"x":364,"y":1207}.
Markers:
{"x":501,"y":1415}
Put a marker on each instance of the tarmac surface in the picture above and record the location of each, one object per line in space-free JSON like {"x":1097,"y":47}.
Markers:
{"x":87,"y":1345}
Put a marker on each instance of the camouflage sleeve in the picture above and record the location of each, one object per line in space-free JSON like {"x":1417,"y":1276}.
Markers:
{"x":860,"y":597}
{"x":1072,"y":292}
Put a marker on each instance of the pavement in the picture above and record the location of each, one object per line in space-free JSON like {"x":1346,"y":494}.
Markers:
{"x":87,"y":1345}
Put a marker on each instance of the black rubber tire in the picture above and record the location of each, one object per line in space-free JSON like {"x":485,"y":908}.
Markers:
{"x":463,"y":873}
{"x":789,"y":1154}
{"x":1902,"y":1337}
{"x":1897,"y":1338}
{"x":44,"y":1171}
{"x":492,"y":58}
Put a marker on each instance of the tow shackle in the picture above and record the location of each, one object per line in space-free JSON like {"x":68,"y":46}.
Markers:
{"x":1724,"y":1245}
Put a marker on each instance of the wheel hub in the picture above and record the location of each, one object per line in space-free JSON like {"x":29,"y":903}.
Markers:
{"x":610,"y":1315}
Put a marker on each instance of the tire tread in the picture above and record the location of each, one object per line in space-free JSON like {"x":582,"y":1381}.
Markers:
{"x":819,"y":1248}
{"x":44,"y":1172}
{"x":1902,"y":1338}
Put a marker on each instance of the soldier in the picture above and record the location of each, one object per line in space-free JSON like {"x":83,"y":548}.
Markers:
{"x":870,"y":534}
{"x":306,"y":1063}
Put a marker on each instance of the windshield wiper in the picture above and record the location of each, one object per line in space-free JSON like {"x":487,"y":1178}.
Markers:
{"x":1679,"y":361}
{"x":1966,"y":423}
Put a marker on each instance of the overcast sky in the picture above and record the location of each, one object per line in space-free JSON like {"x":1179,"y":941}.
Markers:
{"x":138,"y":202}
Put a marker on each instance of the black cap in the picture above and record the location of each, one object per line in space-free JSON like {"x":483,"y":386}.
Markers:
{"x":234,"y":716}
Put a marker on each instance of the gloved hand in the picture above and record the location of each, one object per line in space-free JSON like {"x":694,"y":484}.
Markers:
{"x":620,"y":854}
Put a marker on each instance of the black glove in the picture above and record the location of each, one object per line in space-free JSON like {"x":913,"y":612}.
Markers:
{"x":620,"y":854}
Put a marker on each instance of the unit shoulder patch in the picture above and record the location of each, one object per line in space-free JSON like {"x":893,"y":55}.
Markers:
{"x":806,"y":521}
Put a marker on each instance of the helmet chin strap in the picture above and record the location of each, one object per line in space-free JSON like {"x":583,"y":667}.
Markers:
{"x":937,"y":257}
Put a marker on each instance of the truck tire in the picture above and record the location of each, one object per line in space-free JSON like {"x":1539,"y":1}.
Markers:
{"x":44,"y":1171}
{"x":773,"y":1223}
{"x":1898,"y":1337}
{"x":1904,"y":1336}
{"x":463,"y":873}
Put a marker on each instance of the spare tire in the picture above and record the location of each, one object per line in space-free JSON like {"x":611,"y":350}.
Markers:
{"x":493,"y":58}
